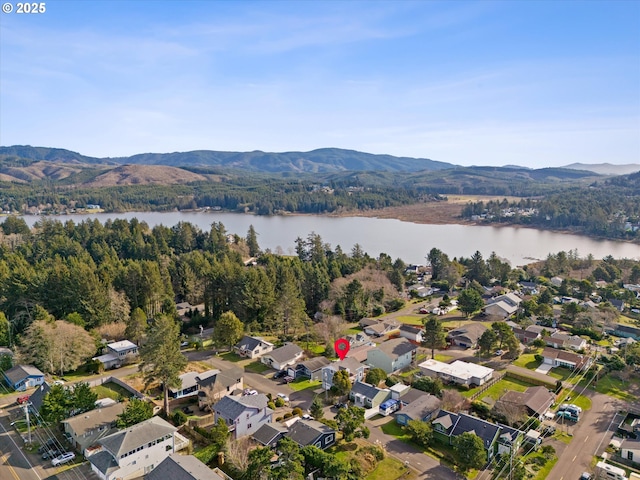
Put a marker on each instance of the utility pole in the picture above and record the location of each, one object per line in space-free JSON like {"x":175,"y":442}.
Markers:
{"x":26,"y":412}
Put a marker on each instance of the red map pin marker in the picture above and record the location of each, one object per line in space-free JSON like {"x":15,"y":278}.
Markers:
{"x":341,"y":347}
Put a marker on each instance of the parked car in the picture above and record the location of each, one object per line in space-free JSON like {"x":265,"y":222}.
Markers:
{"x":568,"y":415}
{"x":22,"y":399}
{"x":548,"y":430}
{"x":586,"y":476}
{"x":287,"y":379}
{"x":499,"y":353}
{"x":423,"y":311}
{"x":187,"y":410}
{"x":570,"y":406}
{"x":280,"y":374}
{"x":283,"y":397}
{"x":47,"y":445}
{"x":248,"y":391}
{"x":339,"y":406}
{"x":63,"y":458}
{"x":51,"y":453}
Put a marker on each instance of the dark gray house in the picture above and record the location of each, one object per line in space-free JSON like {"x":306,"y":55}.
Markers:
{"x":424,"y":408}
{"x":311,"y":432}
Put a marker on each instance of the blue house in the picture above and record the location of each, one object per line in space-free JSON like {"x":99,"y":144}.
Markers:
{"x":22,"y":377}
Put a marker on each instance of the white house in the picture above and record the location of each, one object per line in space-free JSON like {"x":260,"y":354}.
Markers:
{"x":282,"y":357}
{"x":252,"y":347}
{"x":243,"y":415}
{"x":503,"y":306}
{"x":414,"y":333}
{"x":564,"y":358}
{"x":630,"y":449}
{"x":462,"y":373}
{"x":117,"y":353}
{"x":135,"y":451}
{"x":353,"y":367}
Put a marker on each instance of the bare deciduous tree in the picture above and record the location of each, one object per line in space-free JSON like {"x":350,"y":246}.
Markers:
{"x":330,"y":328}
{"x":452,"y":400}
{"x":238,"y":452}
{"x":512,"y":412}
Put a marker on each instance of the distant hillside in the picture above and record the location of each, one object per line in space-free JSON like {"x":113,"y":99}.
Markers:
{"x":606,"y":168}
{"x":144,"y":175}
{"x":325,"y":160}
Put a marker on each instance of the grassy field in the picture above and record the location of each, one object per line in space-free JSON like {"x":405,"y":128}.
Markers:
{"x":580,"y":400}
{"x":411,"y":319}
{"x":111,"y":390}
{"x":498,"y":389}
{"x":614,"y":387}
{"x":256,"y":367}
{"x":388,"y":469}
{"x":561,"y":373}
{"x":527,"y":360}
{"x":303,"y":384}
{"x":441,"y":357}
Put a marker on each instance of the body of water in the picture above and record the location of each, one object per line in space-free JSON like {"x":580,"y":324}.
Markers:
{"x":409,"y":241}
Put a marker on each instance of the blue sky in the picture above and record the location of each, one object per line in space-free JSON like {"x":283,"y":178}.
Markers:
{"x":543,"y":83}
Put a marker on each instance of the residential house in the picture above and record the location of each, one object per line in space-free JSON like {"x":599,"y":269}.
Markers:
{"x":423,"y":408}
{"x":536,"y":400}
{"x":360,"y":353}
{"x":630,"y":449}
{"x":617,"y":304}
{"x":358,"y":339}
{"x":564,"y":358}
{"x":420,"y":290}
{"x":36,"y":398}
{"x":380,"y":329}
{"x":525,"y":336}
{"x":556,"y":281}
{"x":87,"y":428}
{"x":575,"y":343}
{"x":368,"y":396}
{"x":21,"y":377}
{"x":311,"y":432}
{"x":135,"y":451}
{"x":282,"y":357}
{"x":540,"y":330}
{"x":557,"y":339}
{"x":117,"y":354}
{"x":529,"y":288}
{"x":509,"y":439}
{"x":413,"y":333}
{"x":392,"y":355}
{"x":243,"y":415}
{"x":270,"y":434}
{"x":214,"y":386}
{"x":448,"y":425}
{"x":189,"y":383}
{"x":466,"y":336}
{"x":458,"y":372}
{"x":624,"y":331}
{"x":185,"y":467}
{"x":503,"y":305}
{"x":355,"y":369}
{"x":365,"y":322}
{"x":311,"y":369}
{"x":252,"y":347}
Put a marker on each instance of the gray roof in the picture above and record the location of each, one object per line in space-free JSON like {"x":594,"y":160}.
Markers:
{"x":104,"y":462}
{"x":411,"y":395}
{"x":485,"y":430}
{"x":137,"y":435}
{"x":269,"y":432}
{"x":349,"y":363}
{"x":290,"y":351}
{"x":471,"y":331}
{"x":105,"y":416}
{"x":36,"y":398}
{"x":20,"y":372}
{"x":250,"y":343}
{"x":369,"y":391}
{"x":182,"y":467}
{"x":231,"y":407}
{"x":422,"y":407}
{"x":405,"y":327}
{"x":225,"y":378}
{"x":307,"y":432}
{"x":316,"y":363}
{"x":396,"y":347}
{"x":191,"y":379}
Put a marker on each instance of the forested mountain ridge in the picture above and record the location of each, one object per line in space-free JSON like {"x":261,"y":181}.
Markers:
{"x":320,"y":160}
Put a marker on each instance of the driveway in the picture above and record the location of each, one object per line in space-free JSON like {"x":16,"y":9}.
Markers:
{"x":545,"y":368}
{"x":425,"y":466}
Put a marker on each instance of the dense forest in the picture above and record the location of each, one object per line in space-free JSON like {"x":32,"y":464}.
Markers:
{"x":106,"y":280}
{"x":610,"y":209}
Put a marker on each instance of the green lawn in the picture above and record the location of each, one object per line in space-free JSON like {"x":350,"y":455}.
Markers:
{"x":580,"y":400}
{"x":395,"y":430}
{"x":232,"y":357}
{"x":411,"y":319}
{"x":256,"y":367}
{"x":351,"y":331}
{"x":303,"y":384}
{"x":544,"y":471}
{"x":527,"y":360}
{"x":316,"y":348}
{"x":387,"y":469}
{"x":614,"y":387}
{"x":498,"y":389}
{"x":563,"y":437}
{"x":561,"y":373}
{"x":111,"y":390}
{"x":441,"y":357}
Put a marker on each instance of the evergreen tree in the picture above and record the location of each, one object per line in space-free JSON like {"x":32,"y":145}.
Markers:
{"x":317,"y":408}
{"x":228,"y":331}
{"x":470,"y":301}
{"x":434,"y":335}
{"x":470,"y":451}
{"x":161,"y":358}
{"x":136,"y":326}
{"x":135,"y":412}
{"x":252,"y":242}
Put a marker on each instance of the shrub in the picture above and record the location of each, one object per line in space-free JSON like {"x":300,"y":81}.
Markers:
{"x":297,"y":411}
{"x":538,"y":357}
{"x":279,"y":402}
{"x":179,"y":417}
{"x":288,"y":415}
{"x":278,"y":419}
{"x":481,"y":408}
{"x":271,"y":405}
